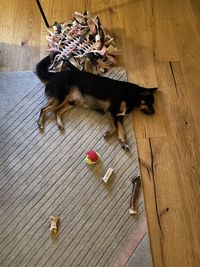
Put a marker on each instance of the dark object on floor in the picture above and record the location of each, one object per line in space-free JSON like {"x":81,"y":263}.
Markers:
{"x":135,"y":193}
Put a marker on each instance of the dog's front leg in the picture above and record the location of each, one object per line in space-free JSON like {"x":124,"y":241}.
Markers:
{"x":121,"y":133}
{"x":120,"y":128}
{"x":113,"y":129}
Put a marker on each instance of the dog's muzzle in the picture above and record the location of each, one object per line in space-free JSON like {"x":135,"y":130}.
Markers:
{"x":148,"y":110}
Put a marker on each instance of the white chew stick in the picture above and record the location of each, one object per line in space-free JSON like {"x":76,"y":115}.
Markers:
{"x":107,"y":175}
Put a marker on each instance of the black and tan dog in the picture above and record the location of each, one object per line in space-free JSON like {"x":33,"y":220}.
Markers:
{"x":72,"y":87}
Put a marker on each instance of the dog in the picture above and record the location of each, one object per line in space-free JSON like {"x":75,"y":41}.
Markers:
{"x":73,"y":87}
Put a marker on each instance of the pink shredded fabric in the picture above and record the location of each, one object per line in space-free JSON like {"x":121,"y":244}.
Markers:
{"x":83,"y":42}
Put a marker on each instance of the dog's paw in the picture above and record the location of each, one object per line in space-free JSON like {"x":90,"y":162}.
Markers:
{"x":106,"y":134}
{"x":40,"y":125}
{"x":109,"y":133}
{"x":61,"y":127}
{"x":125,"y":146}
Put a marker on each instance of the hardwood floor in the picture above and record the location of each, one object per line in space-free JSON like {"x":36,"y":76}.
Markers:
{"x":161,"y":43}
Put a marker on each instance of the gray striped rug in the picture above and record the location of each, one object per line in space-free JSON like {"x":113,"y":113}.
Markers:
{"x":42,"y":174}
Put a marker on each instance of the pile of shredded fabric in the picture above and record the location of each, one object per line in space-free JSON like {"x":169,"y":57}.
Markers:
{"x":83,"y":42}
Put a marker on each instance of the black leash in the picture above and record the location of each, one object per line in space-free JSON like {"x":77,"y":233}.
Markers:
{"x":42,"y":13}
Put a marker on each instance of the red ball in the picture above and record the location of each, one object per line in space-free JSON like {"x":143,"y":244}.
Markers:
{"x":92,"y":155}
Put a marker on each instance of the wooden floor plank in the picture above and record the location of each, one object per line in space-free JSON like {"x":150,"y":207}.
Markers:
{"x":187,"y":30}
{"x":20,"y":31}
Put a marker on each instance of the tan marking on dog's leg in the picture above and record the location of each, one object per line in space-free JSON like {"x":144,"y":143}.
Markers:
{"x":113,"y":129}
{"x":122,"y":109}
{"x":51,"y":105}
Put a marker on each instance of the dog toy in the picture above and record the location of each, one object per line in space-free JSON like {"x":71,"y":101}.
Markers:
{"x":134,"y":195}
{"x":54,"y":222}
{"x":107,"y":175}
{"x":83,"y":42}
{"x":92,"y":157}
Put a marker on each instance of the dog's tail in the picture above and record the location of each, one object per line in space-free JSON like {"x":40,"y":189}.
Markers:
{"x":42,"y":69}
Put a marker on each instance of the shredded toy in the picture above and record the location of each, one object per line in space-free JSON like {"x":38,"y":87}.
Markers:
{"x":83,"y":42}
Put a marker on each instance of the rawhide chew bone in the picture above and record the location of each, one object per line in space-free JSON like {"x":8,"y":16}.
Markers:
{"x":107,"y":175}
{"x":135,"y":193}
{"x":54,"y":222}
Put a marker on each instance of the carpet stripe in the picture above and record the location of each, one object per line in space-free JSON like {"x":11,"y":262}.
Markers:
{"x":11,"y":123}
{"x":23,"y":121}
{"x":21,"y":103}
{"x":23,"y":125}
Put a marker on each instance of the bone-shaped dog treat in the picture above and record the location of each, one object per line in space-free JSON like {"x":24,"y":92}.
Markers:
{"x":135,"y":193}
{"x":54,"y":222}
{"x":107,"y":175}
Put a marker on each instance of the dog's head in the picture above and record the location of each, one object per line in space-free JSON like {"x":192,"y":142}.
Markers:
{"x":147,"y":100}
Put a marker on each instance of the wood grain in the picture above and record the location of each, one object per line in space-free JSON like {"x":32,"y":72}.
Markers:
{"x":160,"y":41}
{"x":19,"y":31}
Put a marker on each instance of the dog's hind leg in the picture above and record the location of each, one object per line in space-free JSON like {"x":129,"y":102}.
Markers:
{"x":50,"y":106}
{"x":59,"y":112}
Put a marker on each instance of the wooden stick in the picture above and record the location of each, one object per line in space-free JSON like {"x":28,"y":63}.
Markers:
{"x":135,"y":193}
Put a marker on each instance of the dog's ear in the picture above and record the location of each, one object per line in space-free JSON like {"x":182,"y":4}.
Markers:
{"x":146,"y":92}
